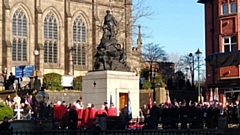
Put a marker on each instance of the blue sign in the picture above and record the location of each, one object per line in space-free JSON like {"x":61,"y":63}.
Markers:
{"x":23,"y":71}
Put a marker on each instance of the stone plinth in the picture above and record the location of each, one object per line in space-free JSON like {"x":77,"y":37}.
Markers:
{"x":99,"y":86}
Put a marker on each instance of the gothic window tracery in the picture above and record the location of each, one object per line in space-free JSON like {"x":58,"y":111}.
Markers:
{"x":50,"y":39}
{"x":79,"y":41}
{"x":19,"y":36}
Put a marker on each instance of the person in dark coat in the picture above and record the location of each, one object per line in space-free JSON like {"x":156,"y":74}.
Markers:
{"x":73,"y":118}
{"x":184,"y":115}
{"x":6,"y":126}
{"x":124,"y":116}
{"x":155,"y":115}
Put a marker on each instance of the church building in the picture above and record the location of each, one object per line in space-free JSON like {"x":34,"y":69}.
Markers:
{"x":60,"y":36}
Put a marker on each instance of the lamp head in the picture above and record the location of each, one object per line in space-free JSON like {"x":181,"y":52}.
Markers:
{"x":36,"y":52}
{"x":198,"y":52}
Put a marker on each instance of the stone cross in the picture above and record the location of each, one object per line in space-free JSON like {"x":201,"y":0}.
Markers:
{"x":18,"y":110}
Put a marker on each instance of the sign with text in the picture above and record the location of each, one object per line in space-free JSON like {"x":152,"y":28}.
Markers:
{"x":23,"y":71}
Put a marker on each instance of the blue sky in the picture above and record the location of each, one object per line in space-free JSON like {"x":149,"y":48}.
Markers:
{"x":177,"y":25}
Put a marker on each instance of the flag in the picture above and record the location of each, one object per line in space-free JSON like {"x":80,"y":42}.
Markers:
{"x":110,"y":99}
{"x":168,"y":100}
{"x":224,"y":100}
{"x":129,"y":107}
{"x":211,"y":96}
{"x":216,"y":94}
{"x":150,"y":100}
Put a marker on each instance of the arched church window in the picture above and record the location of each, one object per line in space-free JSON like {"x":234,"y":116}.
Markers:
{"x":19,"y":35}
{"x":79,"y":41}
{"x":50,"y":39}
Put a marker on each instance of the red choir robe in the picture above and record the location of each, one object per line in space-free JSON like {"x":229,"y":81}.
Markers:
{"x":56,"y":112}
{"x":80,"y":117}
{"x":112,"y":111}
{"x":86,"y":115}
{"x":62,"y":110}
{"x":102,"y":111}
{"x":93,"y":112}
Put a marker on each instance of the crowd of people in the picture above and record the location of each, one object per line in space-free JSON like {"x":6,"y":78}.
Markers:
{"x":192,"y":115}
{"x":173,"y":115}
{"x":72,"y":115}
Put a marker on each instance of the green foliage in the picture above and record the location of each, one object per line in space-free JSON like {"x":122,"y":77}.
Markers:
{"x":159,"y":81}
{"x":145,"y":73}
{"x":52,"y":81}
{"x":5,"y":110}
{"x":179,"y":75}
{"x":146,"y":85}
{"x":78,"y":83}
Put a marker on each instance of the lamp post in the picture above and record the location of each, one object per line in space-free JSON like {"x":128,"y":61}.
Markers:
{"x":192,"y":67}
{"x":187,"y":68}
{"x":36,"y":54}
{"x":198,"y":53}
{"x":153,"y":79}
{"x":72,"y":50}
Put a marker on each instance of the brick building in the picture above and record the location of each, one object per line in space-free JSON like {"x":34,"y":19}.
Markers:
{"x":222,"y":35}
{"x":54,"y":26}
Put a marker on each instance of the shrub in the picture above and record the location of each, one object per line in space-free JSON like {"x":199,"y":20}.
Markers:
{"x":147,"y":85}
{"x":78,"y":83}
{"x":5,"y":110}
{"x":159,"y":81}
{"x":52,"y":81}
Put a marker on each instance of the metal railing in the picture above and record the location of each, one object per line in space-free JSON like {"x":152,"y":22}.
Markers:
{"x":121,"y":132}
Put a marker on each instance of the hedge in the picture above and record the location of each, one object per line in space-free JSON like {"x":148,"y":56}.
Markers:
{"x":52,"y":81}
{"x":78,"y":83}
{"x":5,"y":110}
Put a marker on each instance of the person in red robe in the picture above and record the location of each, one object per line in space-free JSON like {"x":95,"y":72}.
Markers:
{"x":102,"y":111}
{"x":56,"y":110}
{"x":86,"y":115}
{"x":62,"y":109}
{"x":112,"y":111}
{"x":93,"y":112}
{"x":92,"y":115}
{"x":80,"y":117}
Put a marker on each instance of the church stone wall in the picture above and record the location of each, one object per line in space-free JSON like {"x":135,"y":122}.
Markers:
{"x":65,"y":12}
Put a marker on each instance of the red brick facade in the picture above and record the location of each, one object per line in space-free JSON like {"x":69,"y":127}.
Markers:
{"x":222,"y":22}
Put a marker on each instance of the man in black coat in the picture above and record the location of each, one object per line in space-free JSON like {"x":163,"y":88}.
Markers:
{"x":73,"y":118}
{"x":6,"y":126}
{"x":155,"y":115}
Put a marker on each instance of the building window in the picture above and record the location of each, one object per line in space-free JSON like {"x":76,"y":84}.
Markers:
{"x":225,"y":9}
{"x":79,"y":41}
{"x":230,"y":43}
{"x":233,"y":7}
{"x":19,"y":34}
{"x":50,"y":39}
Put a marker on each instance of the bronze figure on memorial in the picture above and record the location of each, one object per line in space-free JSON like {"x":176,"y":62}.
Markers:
{"x":110,"y":54}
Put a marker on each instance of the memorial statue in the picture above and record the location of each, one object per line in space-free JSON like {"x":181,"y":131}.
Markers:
{"x":110,"y":54}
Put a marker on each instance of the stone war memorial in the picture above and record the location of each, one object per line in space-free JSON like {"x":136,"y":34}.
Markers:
{"x":111,"y":79}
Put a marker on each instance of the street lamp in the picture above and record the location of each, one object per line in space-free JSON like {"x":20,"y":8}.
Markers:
{"x":36,"y":54}
{"x":192,"y":68}
{"x":198,"y":53}
{"x":187,"y":68}
{"x":153,"y":82}
{"x":73,"y":49}
{"x":42,"y":97}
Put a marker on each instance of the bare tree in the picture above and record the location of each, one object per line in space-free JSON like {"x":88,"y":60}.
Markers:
{"x":176,"y":58}
{"x":152,"y":53}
